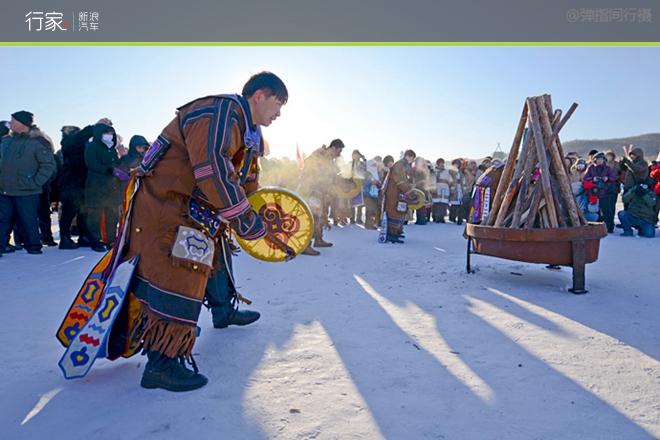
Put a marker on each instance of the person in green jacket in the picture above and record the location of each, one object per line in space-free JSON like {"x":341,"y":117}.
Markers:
{"x":27,"y":162}
{"x":639,"y":214}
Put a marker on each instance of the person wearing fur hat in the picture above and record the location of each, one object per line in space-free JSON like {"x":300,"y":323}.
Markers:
{"x":604,"y":180}
{"x":27,"y":163}
{"x":577,"y":170}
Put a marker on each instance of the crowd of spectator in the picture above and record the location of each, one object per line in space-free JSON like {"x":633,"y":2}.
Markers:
{"x":85,"y":179}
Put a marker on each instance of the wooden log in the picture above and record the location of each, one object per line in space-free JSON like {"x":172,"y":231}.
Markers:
{"x":526,"y":210}
{"x":556,"y":119}
{"x":557,"y":161}
{"x":534,"y":206}
{"x":535,"y":123}
{"x":544,"y":105}
{"x":527,"y":171}
{"x":546,"y":220}
{"x":514,"y":193}
{"x":556,"y":116}
{"x":508,"y":168}
{"x":561,"y":207}
{"x":555,"y":127}
{"x":558,"y":125}
{"x":527,"y":197}
{"x":515,"y":181}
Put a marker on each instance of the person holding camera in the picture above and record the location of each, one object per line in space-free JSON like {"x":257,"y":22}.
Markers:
{"x":604,"y":179}
{"x":639,"y":214}
{"x":634,"y":165}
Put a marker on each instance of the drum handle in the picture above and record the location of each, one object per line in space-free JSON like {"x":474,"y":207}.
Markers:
{"x":289,"y":253}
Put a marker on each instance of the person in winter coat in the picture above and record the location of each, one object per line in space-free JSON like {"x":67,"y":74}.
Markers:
{"x":8,"y":247}
{"x":570,"y":162}
{"x":422,"y":181}
{"x":639,"y":214}
{"x":440,"y":196}
{"x":398,"y":193}
{"x":27,"y":163}
{"x":578,"y":170}
{"x":72,"y":178}
{"x":315,"y":187}
{"x":371,"y":185}
{"x":654,"y":177}
{"x":456,"y":214}
{"x":103,"y":187}
{"x":359,"y":170}
{"x":199,"y":170}
{"x":612,"y":163}
{"x":604,"y":178}
{"x":137,"y":147}
{"x":485,"y":164}
{"x":635,"y":166}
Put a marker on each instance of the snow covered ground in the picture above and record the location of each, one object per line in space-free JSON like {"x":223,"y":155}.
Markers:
{"x":366,"y":341}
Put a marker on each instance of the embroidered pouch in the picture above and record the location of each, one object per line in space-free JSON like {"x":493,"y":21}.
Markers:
{"x":206,"y":217}
{"x":194,"y":246}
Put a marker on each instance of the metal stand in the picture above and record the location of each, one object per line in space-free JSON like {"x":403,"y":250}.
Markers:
{"x":469,"y":246}
{"x":578,"y":254}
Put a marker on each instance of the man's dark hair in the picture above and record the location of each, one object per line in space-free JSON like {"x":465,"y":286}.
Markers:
{"x":337,"y":143}
{"x":267,"y":82}
{"x":410,"y":153}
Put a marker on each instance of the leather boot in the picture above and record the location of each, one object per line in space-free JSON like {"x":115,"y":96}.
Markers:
{"x":236,"y":317}
{"x":170,"y":374}
{"x":309,"y":250}
{"x":318,"y":242}
{"x":67,"y":243}
{"x":394,"y":239}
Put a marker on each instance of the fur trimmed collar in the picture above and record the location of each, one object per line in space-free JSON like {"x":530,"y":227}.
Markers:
{"x":33,"y":133}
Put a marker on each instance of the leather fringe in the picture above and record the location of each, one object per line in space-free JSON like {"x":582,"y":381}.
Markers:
{"x":166,"y":337}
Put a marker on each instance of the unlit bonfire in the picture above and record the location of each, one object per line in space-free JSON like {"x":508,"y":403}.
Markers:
{"x":534,"y":215}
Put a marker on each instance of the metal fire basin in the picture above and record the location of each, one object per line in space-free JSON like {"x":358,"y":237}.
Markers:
{"x":574,"y":246}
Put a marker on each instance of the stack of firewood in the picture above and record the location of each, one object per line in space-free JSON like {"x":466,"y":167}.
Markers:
{"x":535,"y":190}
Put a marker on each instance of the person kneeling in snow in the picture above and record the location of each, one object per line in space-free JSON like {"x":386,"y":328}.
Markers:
{"x":639,"y":214}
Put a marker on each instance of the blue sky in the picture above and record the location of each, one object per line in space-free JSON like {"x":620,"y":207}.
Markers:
{"x":439,"y":101}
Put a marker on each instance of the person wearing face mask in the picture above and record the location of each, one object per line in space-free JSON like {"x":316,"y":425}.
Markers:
{"x":578,"y":170}
{"x":103,"y":187}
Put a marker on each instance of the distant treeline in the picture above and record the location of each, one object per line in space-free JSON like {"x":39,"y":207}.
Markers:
{"x":649,"y":143}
